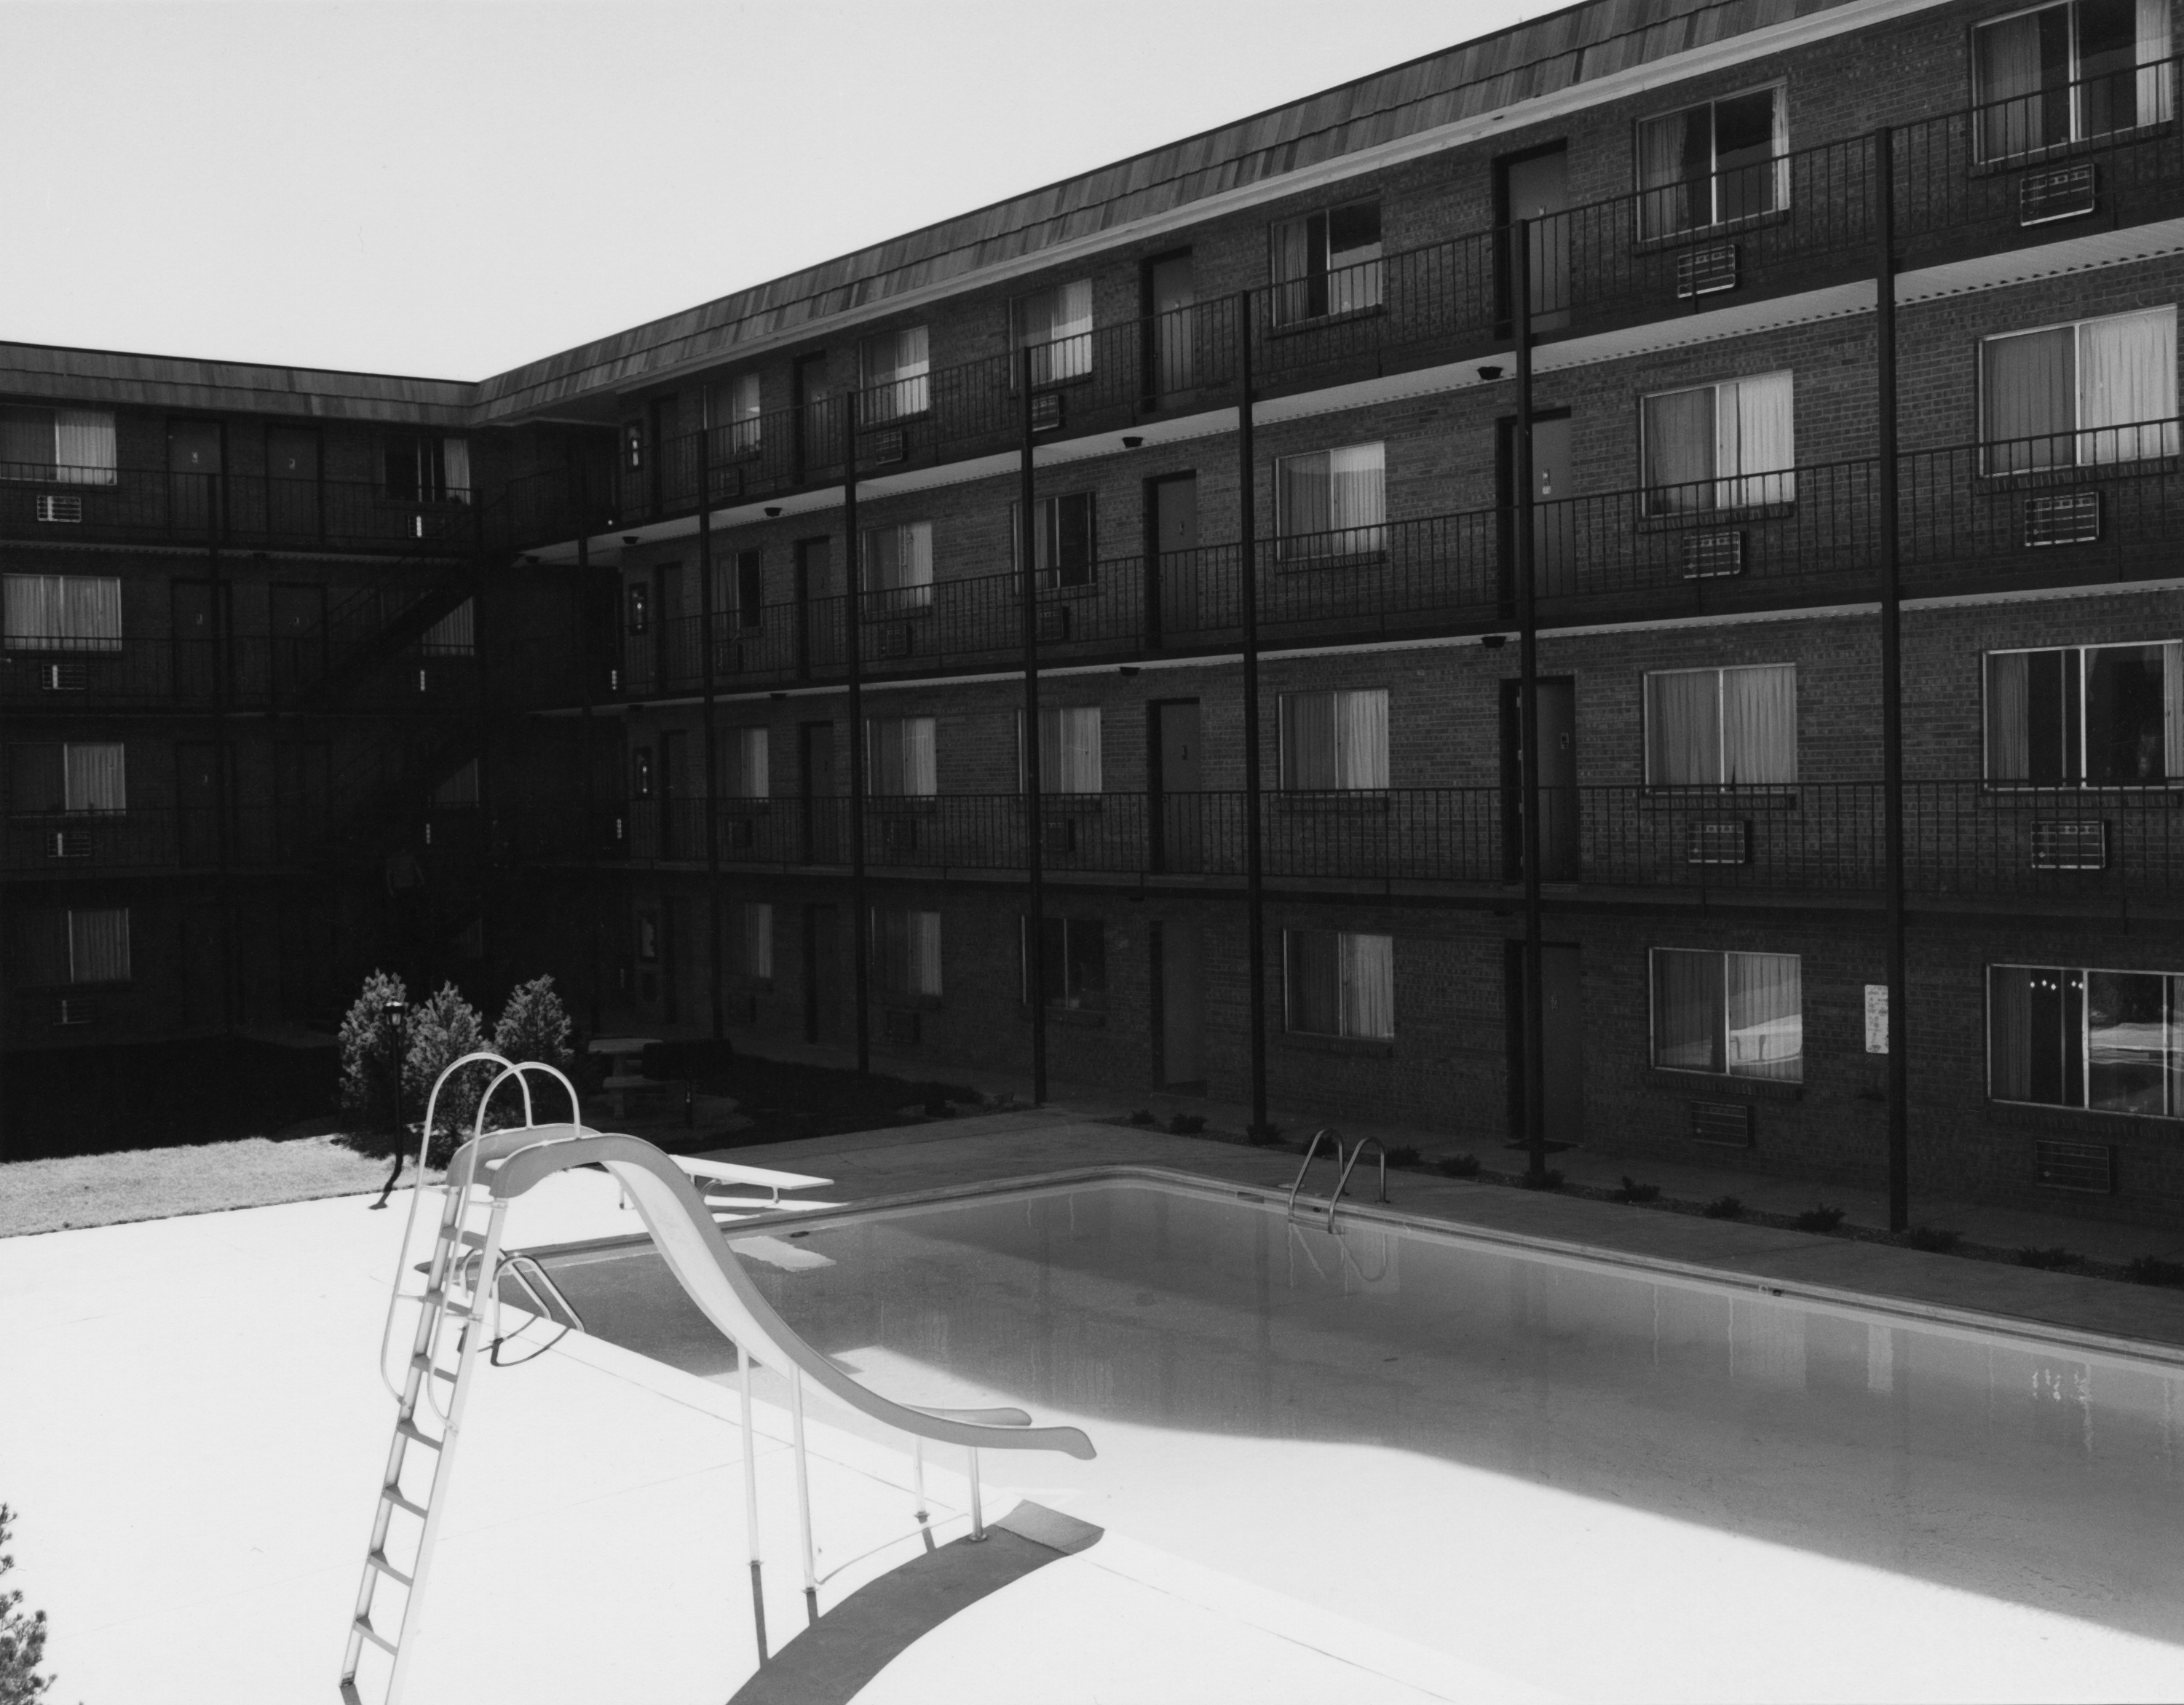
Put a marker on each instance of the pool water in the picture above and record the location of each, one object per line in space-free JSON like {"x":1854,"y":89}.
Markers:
{"x":1602,"y":1478}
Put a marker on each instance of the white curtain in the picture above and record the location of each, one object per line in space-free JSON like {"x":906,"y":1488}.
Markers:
{"x":1057,"y":327}
{"x":757,"y":939}
{"x":455,"y":466}
{"x":1361,"y":738}
{"x":1069,"y":750}
{"x":90,"y":612}
{"x":1357,"y":501}
{"x":83,"y":447}
{"x":1756,"y":438}
{"x":897,"y":563}
{"x":98,"y":946}
{"x":1680,"y":451}
{"x":2127,"y":387}
{"x":1687,"y":1009}
{"x":454,"y":634}
{"x":2155,"y":102}
{"x":1766,"y":1024}
{"x":2009,"y":1031}
{"x":1665,"y":205}
{"x":2172,"y":710}
{"x":2009,"y":716}
{"x":752,"y":752}
{"x":33,"y":608}
{"x":918,"y":770}
{"x":924,"y":952}
{"x":896,"y":367}
{"x":1683,"y":729}
{"x":1291,"y":258}
{"x":1308,"y":741}
{"x":902,"y":757}
{"x":94,"y":777}
{"x":1368,"y":985}
{"x":1759,"y":725}
{"x":2013,"y":116}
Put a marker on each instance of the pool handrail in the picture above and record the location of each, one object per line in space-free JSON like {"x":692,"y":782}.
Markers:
{"x":1342,"y":1183}
{"x":1310,"y":1150}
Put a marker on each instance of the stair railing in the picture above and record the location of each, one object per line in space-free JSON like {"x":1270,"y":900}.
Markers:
{"x":1310,"y":1150}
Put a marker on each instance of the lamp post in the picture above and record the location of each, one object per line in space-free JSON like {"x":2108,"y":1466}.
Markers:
{"x":392,"y":1013}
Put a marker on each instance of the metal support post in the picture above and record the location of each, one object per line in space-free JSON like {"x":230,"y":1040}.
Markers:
{"x":750,"y":1501}
{"x":1530,"y":795}
{"x":853,"y":568}
{"x":1034,"y":826}
{"x":708,"y":618}
{"x":1247,"y":584}
{"x":804,"y":1496}
{"x":1891,"y":680}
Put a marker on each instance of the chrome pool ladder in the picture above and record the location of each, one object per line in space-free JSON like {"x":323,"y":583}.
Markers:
{"x":1343,"y":1168}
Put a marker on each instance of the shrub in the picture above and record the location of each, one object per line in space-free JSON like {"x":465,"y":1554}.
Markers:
{"x":1551,"y":1179}
{"x":1185,"y":1124}
{"x":1265,"y":1136}
{"x":2049,"y":1259}
{"x":1402,"y":1157}
{"x":2151,"y":1269}
{"x":1723,"y":1207}
{"x":1144,"y":1116}
{"x":371,"y":1050}
{"x":1935,"y":1240}
{"x":442,"y":1030}
{"x":533,"y":1026}
{"x":1458,"y":1166}
{"x":22,"y":1638}
{"x":1632,"y":1190}
{"x":1820,"y":1217}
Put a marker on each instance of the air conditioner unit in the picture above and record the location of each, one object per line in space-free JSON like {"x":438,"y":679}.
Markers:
{"x":2071,"y":845}
{"x":1703,"y":271}
{"x":743,"y":834}
{"x":2062,"y":518}
{"x":67,"y":843}
{"x":76,"y":1008}
{"x":1046,"y":412}
{"x":69,"y":675}
{"x":1719,"y":843}
{"x":2086,"y":1167}
{"x":2067,"y":193}
{"x":54,"y":506}
{"x":898,"y":836}
{"x":882,"y":448}
{"x":900,"y":1027}
{"x":1058,"y":837}
{"x":1713,"y":555}
{"x":898,"y":639}
{"x":1051,"y":623}
{"x":1726,"y":1124}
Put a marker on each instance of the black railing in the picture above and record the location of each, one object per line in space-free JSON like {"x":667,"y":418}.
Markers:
{"x":151,"y":840}
{"x":264,"y":672}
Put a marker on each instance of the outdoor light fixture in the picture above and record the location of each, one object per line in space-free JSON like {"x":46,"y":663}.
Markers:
{"x":1129,"y":671}
{"x":629,"y":538}
{"x":1490,"y":372}
{"x":1494,"y":642}
{"x":1132,"y":443}
{"x":531,"y":562}
{"x":776,"y":695}
{"x":773,"y":511}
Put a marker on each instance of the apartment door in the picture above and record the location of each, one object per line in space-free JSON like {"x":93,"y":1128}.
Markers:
{"x":1171,"y":509}
{"x":197,"y":800}
{"x":1554,"y":510}
{"x":816,"y":423}
{"x":196,"y":640}
{"x":1535,"y":187}
{"x":1558,"y":795}
{"x":819,"y":794}
{"x":291,"y":483}
{"x":822,"y":974}
{"x":296,"y":616}
{"x":1179,"y":951}
{"x":192,"y":471}
{"x":1562,"y":1040}
{"x":1179,"y":816}
{"x":1170,"y":297}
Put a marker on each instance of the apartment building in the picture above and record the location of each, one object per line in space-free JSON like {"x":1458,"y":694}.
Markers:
{"x":971,"y":649}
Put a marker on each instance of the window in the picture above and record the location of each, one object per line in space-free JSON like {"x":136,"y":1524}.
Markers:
{"x":896,"y":370}
{"x":1738,"y":1014}
{"x":2080,"y":395}
{"x":454,"y":634}
{"x":748,"y":589}
{"x":63,"y":612}
{"x":98,"y":946}
{"x":1334,"y":740}
{"x":1068,"y":750}
{"x":1056,"y":326}
{"x":2059,"y":73}
{"x":898,"y":567}
{"x":1075,"y":962}
{"x":1061,"y":538}
{"x":898,"y":752}
{"x":2093,"y":716}
{"x":2107,"y":1041}
{"x":751,"y":941}
{"x":736,"y":418}
{"x":640,"y":772}
{"x":907,"y":945}
{"x":1722,"y":727}
{"x":1326,"y":263}
{"x":68,"y":447}
{"x":76,"y":777}
{"x":744,"y":757}
{"x":429,"y":468}
{"x":1339,"y":984}
{"x":459,"y":791}
{"x":1716,"y":447}
{"x":1331,"y":503}
{"x":1713,"y":163}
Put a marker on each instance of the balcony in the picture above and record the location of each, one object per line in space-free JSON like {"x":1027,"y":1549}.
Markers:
{"x":157,"y":840}
{"x":298,"y":676}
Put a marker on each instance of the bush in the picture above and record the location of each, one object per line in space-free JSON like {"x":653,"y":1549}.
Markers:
{"x":2049,"y":1259}
{"x":1723,"y":1207}
{"x":2151,"y":1269}
{"x":1935,"y":1240}
{"x":533,"y":1026}
{"x":371,"y":1048}
{"x":1402,"y":1157}
{"x":1551,"y":1179}
{"x":1185,"y":1124}
{"x":22,"y":1638}
{"x":1632,"y":1190}
{"x":1144,"y":1116}
{"x":1458,"y":1166}
{"x":442,"y":1030}
{"x":1265,"y":1136}
{"x":1820,"y":1217}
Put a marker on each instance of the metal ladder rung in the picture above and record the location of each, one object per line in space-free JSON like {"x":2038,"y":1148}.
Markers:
{"x":363,"y":1625}
{"x":471,"y":1239}
{"x":409,"y":1431}
{"x":425,"y":1364}
{"x":377,"y":1559}
{"x":394,"y":1497}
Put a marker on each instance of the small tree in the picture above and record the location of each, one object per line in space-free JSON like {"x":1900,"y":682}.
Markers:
{"x":371,"y":1051}
{"x":533,"y":1026}
{"x":442,"y":1030}
{"x":22,"y":1638}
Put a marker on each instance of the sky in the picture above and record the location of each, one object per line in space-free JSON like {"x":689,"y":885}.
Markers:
{"x":452,"y":189}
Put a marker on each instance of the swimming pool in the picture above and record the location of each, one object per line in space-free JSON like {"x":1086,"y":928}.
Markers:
{"x":1605,"y":1478}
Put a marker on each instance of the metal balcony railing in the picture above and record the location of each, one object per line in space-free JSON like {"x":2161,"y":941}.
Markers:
{"x":43,"y":673}
{"x":155,"y":840}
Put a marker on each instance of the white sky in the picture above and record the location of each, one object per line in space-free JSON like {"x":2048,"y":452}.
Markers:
{"x":454,"y":188}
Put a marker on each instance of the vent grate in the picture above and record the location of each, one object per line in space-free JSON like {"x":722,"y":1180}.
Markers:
{"x":1713,"y":555}
{"x":2089,"y":1168}
{"x":2063,"y":518}
{"x":2067,"y":193}
{"x":898,"y":836}
{"x":1719,"y":843}
{"x":2071,"y":845}
{"x":1704,"y":272}
{"x":63,"y":507}
{"x":69,"y":675}
{"x":1052,"y":622}
{"x":1046,"y":412}
{"x":1726,"y":1124}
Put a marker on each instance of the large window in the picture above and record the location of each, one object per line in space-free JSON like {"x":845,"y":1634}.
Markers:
{"x":906,"y":947}
{"x":1326,"y":263}
{"x":1721,"y":447}
{"x":1056,"y":326}
{"x":1075,"y":961}
{"x":898,"y":567}
{"x":745,"y":589}
{"x":62,"y":612}
{"x":1331,"y":503}
{"x":2111,"y":1041}
{"x":2079,"y":395}
{"x":897,"y":370}
{"x":1334,"y":740}
{"x":1336,"y":983}
{"x":1713,"y":163}
{"x":1069,"y":749}
{"x":736,"y":414}
{"x":1738,"y":1014}
{"x":745,"y":759}
{"x":2092,"y":716}
{"x":62,"y":947}
{"x":427,"y":467}
{"x":77,"y":777}
{"x":1061,"y":538}
{"x":454,"y":634}
{"x":2057,"y":73}
{"x":1722,"y":727}
{"x":68,"y":447}
{"x":899,"y":757}
{"x":751,"y":941}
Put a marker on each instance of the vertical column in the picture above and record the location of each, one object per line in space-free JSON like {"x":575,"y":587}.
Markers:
{"x":588,"y":756}
{"x":1034,"y":827}
{"x":1891,"y":676}
{"x":223,"y":768}
{"x":1247,"y":593}
{"x":710,"y":639}
{"x":860,"y":921}
{"x":1528,"y":708}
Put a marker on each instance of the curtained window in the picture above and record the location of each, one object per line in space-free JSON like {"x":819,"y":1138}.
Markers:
{"x":98,"y":946}
{"x":751,"y":942}
{"x":2094,"y":716}
{"x":1331,"y":503}
{"x":1334,"y":740}
{"x":898,"y":567}
{"x":62,"y":612}
{"x":1337,"y":984}
{"x":1740,"y":1015}
{"x":1068,"y":750}
{"x":1733,"y":727}
{"x":459,"y":791}
{"x":897,"y":374}
{"x":2096,"y":391}
{"x":1325,"y":263}
{"x":1727,"y":446}
{"x":427,"y":467}
{"x":745,"y":756}
{"x":899,"y":757}
{"x":1061,"y":539}
{"x":2060,"y":73}
{"x":737,"y":424}
{"x":454,"y":634}
{"x":94,"y":777}
{"x":1056,"y":326}
{"x":1076,"y":962}
{"x":906,"y":947}
{"x":68,"y":447}
{"x":2109,"y":1041}
{"x":1713,"y":164}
